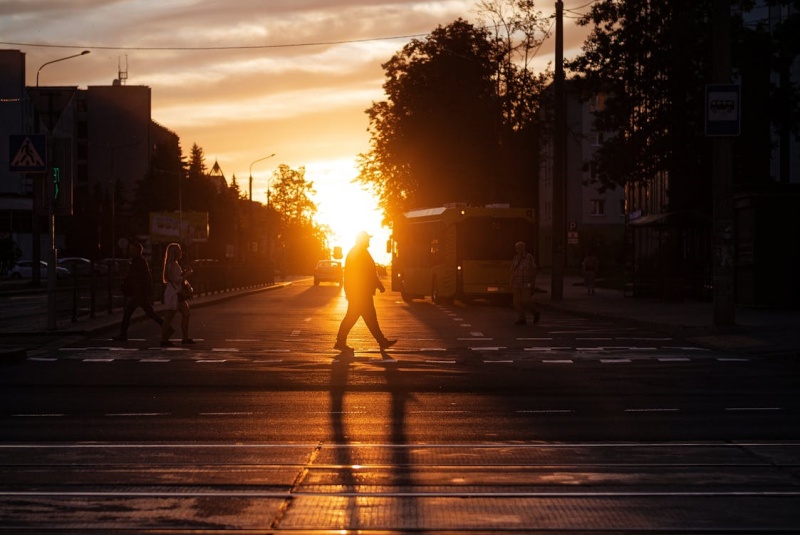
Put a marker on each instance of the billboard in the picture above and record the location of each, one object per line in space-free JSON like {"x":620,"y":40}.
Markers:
{"x":181,"y":227}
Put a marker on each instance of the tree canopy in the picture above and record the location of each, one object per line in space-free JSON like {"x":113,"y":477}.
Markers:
{"x":651,"y":61}
{"x":458,"y":104}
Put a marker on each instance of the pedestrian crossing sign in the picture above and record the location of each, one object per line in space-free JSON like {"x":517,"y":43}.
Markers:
{"x":28,"y":153}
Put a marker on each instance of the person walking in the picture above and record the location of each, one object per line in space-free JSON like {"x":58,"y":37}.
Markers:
{"x":173,"y":276}
{"x":137,"y":287}
{"x":360,"y":282}
{"x":590,"y":265}
{"x":523,"y":282}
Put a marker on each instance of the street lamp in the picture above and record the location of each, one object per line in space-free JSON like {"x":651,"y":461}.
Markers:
{"x":251,"y":172}
{"x":36,"y":227}
{"x":57,"y":60}
{"x":250,"y":205}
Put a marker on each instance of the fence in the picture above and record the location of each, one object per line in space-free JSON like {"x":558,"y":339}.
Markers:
{"x":85,"y":296}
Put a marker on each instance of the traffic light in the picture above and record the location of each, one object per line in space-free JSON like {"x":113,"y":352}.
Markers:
{"x":58,"y":191}
{"x":59,"y":179}
{"x":56,"y":183}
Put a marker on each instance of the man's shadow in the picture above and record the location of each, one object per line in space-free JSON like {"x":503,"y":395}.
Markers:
{"x":401,"y":461}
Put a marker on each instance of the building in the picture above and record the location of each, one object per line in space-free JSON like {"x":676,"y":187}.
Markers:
{"x":16,"y":194}
{"x":595,"y":219}
{"x":101,"y":138}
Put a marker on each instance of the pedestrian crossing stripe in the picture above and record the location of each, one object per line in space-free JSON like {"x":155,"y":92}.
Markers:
{"x":28,"y":157}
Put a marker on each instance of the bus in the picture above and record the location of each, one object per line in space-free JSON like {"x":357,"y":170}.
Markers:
{"x":458,"y":252}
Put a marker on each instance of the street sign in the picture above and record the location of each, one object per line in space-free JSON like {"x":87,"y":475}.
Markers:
{"x":723,"y":110}
{"x":572,"y":238}
{"x":28,"y":153}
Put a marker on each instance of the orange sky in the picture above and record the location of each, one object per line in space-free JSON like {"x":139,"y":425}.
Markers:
{"x":294,"y":77}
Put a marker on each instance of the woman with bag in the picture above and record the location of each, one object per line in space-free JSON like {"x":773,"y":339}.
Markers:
{"x":174,"y":278}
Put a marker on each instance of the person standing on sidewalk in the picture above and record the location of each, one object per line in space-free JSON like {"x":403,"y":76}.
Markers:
{"x":360,"y":282}
{"x":173,"y":275}
{"x":590,"y":265}
{"x":137,"y":287}
{"x":523,"y":282}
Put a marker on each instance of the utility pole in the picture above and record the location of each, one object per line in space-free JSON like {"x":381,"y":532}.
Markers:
{"x":724,"y":297}
{"x":559,"y":164}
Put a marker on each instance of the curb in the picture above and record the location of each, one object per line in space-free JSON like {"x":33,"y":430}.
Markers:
{"x":737,"y":340}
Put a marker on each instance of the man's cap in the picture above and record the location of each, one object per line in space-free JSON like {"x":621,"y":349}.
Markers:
{"x":363,"y":236}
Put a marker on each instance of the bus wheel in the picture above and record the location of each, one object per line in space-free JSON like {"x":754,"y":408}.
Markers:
{"x":436,"y":297}
{"x":406,"y":297}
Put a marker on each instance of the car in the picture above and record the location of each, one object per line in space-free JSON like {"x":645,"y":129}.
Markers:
{"x":82,"y":266}
{"x":328,"y":271}
{"x":24,"y":270}
{"x":117,"y":266}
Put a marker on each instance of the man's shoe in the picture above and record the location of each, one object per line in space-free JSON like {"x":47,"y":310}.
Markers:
{"x":120,"y":338}
{"x":186,"y":341}
{"x":520,"y":322}
{"x":341,"y":346}
{"x":386,"y":344}
{"x":536,"y":317}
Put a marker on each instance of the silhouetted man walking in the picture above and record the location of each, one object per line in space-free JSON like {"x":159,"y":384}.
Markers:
{"x":360,"y":282}
{"x":138,"y":290}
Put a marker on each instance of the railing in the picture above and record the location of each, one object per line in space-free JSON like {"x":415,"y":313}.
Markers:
{"x":87,"y":296}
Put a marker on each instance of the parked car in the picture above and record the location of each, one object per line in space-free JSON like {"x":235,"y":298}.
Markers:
{"x":24,"y":270}
{"x":328,"y":271}
{"x":81,"y":266}
{"x":118,"y":266}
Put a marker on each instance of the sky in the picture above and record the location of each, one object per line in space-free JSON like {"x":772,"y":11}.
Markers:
{"x":250,"y":78}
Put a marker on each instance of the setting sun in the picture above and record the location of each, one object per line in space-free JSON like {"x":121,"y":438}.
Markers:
{"x":346,"y":208}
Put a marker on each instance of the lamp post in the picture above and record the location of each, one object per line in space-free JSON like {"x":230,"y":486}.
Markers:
{"x":36,"y":230}
{"x":250,"y":192}
{"x":56,"y":61}
{"x":251,"y":173}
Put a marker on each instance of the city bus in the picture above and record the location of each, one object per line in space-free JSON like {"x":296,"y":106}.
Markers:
{"x":458,"y":252}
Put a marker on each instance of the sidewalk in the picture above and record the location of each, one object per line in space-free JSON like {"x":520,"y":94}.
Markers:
{"x":757,"y":331}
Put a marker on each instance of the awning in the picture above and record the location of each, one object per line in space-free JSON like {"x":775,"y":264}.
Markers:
{"x":684,"y":219}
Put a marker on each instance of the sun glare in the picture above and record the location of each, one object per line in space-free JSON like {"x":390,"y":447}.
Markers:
{"x":346,"y":208}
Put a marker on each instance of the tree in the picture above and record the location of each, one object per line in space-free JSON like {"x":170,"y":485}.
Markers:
{"x":299,"y":242}
{"x":459,"y":111}
{"x":651,"y":62}
{"x":434,"y":138}
{"x":291,"y":194}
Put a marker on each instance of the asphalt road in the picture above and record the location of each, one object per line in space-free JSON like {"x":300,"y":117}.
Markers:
{"x":469,"y":423}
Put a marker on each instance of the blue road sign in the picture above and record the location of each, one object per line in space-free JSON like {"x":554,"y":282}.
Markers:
{"x":27,"y":153}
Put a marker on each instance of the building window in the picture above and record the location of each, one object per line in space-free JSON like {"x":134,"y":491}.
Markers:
{"x":598,"y":207}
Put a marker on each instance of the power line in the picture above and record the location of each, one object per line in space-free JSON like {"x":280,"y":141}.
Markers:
{"x":207,"y":48}
{"x":583,"y":6}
